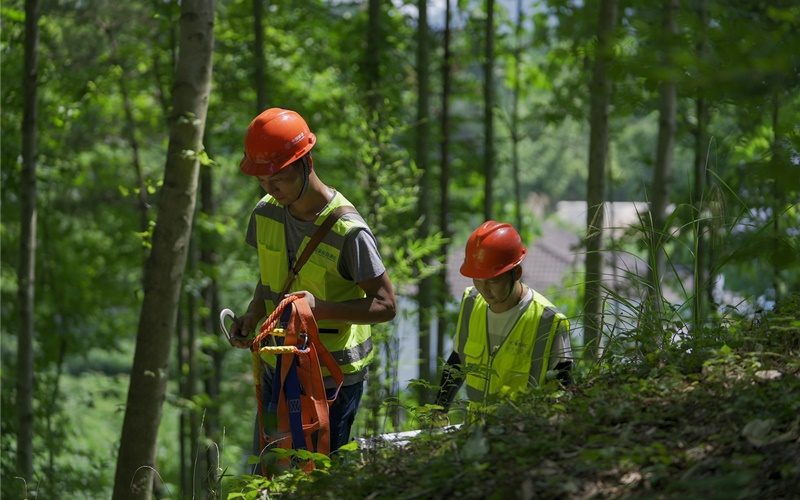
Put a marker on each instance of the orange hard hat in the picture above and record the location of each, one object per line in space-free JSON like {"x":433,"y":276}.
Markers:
{"x":492,"y":249}
{"x":275,"y":138}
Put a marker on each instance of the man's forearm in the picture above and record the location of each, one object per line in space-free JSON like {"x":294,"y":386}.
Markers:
{"x":366,"y":311}
{"x":257,"y":309}
{"x":379,"y":305}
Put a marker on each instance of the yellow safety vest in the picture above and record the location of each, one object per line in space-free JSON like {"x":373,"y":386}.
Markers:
{"x":523,"y":357}
{"x":350,"y":345}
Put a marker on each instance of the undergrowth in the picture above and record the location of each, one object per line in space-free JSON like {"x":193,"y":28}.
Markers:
{"x":710,"y":419}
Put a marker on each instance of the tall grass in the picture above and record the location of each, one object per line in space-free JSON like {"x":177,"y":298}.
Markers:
{"x":648,"y":309}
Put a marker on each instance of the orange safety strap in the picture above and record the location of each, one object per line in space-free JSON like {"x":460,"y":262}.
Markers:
{"x":303,"y":346}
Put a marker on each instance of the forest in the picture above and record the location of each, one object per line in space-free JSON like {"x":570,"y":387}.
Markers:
{"x":647,"y":152}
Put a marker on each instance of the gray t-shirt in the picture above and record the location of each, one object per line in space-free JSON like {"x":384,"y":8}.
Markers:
{"x":360,"y":259}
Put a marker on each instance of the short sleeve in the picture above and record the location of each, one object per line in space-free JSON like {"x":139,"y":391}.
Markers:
{"x":251,"y":238}
{"x":360,"y":260}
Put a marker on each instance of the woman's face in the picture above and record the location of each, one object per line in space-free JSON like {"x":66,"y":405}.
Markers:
{"x":498,"y":292}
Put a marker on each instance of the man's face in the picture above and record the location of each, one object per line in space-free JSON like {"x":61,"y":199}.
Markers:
{"x":496,"y":291}
{"x":284,"y":185}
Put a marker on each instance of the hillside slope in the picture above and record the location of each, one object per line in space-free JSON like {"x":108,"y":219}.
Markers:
{"x":718,"y":417}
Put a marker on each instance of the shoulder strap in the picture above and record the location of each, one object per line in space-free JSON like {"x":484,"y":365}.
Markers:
{"x":316,"y":238}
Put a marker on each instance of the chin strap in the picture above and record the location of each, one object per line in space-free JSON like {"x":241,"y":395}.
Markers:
{"x":513,"y":286}
{"x":308,"y":165}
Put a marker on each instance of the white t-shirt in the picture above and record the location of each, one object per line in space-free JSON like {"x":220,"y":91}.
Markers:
{"x":499,"y":325}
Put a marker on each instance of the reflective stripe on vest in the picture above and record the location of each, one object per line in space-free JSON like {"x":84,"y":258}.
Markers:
{"x":351,"y":345}
{"x":523,"y":357}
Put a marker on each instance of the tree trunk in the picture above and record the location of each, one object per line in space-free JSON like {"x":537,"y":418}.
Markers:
{"x":778,"y":202}
{"x":701,"y":270}
{"x":184,"y":449}
{"x":165,"y":10}
{"x":190,"y":385}
{"x":373,"y":57}
{"x":212,"y":378}
{"x":515,"y":133}
{"x":164,"y":269}
{"x":372,"y":69}
{"x":258,"y":51}
{"x":600,"y":91}
{"x":372,"y":74}
{"x":425,"y":289}
{"x":27,"y":248}
{"x":130,"y":132}
{"x":662,"y":175}
{"x":186,"y":332}
{"x":444,"y":182}
{"x":488,"y":115}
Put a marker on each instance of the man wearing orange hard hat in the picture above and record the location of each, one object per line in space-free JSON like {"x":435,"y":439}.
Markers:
{"x":343,"y":280}
{"x":508,"y":336}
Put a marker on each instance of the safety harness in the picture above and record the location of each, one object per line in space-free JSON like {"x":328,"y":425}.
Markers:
{"x":299,"y":406}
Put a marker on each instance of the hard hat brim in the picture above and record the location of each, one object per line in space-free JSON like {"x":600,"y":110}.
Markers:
{"x":256,"y":169}
{"x":484,"y":274}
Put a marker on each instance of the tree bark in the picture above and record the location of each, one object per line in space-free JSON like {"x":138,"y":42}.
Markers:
{"x":515,"y":133}
{"x":488,"y":115}
{"x":212,"y":378}
{"x":372,"y":58}
{"x":662,"y":175}
{"x":258,"y":51}
{"x":425,"y":290}
{"x":600,"y":91}
{"x":164,"y":269}
{"x":777,"y":195}
{"x":444,"y":182}
{"x":27,"y":248}
{"x":702,"y":269}
{"x":130,"y":132}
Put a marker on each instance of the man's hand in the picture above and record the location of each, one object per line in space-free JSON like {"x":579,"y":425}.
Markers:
{"x":309,"y":298}
{"x":243,"y":331}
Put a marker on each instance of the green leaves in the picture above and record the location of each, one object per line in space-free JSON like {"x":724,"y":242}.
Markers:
{"x":476,"y":447}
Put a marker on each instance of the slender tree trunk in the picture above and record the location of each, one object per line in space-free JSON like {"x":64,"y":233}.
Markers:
{"x":373,"y":84}
{"x":777,"y":195}
{"x":373,"y":56}
{"x":601,"y":86}
{"x":191,"y":379}
{"x":187,"y":387}
{"x":662,"y":176}
{"x":258,"y":50}
{"x":130,"y":130}
{"x":444,"y":181}
{"x":184,"y":448}
{"x":27,"y":248}
{"x":212,"y":378}
{"x":372,"y":73}
{"x":164,"y":98}
{"x":516,"y":137}
{"x":425,"y":289}
{"x":164,"y":269}
{"x":701,"y":271}
{"x":488,"y":115}
{"x":130,"y":135}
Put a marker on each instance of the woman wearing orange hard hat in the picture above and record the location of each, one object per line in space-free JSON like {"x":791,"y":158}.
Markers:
{"x":508,"y":336}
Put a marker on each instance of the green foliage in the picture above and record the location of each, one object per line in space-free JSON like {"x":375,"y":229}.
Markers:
{"x":106,"y":80}
{"x":637,"y":430}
